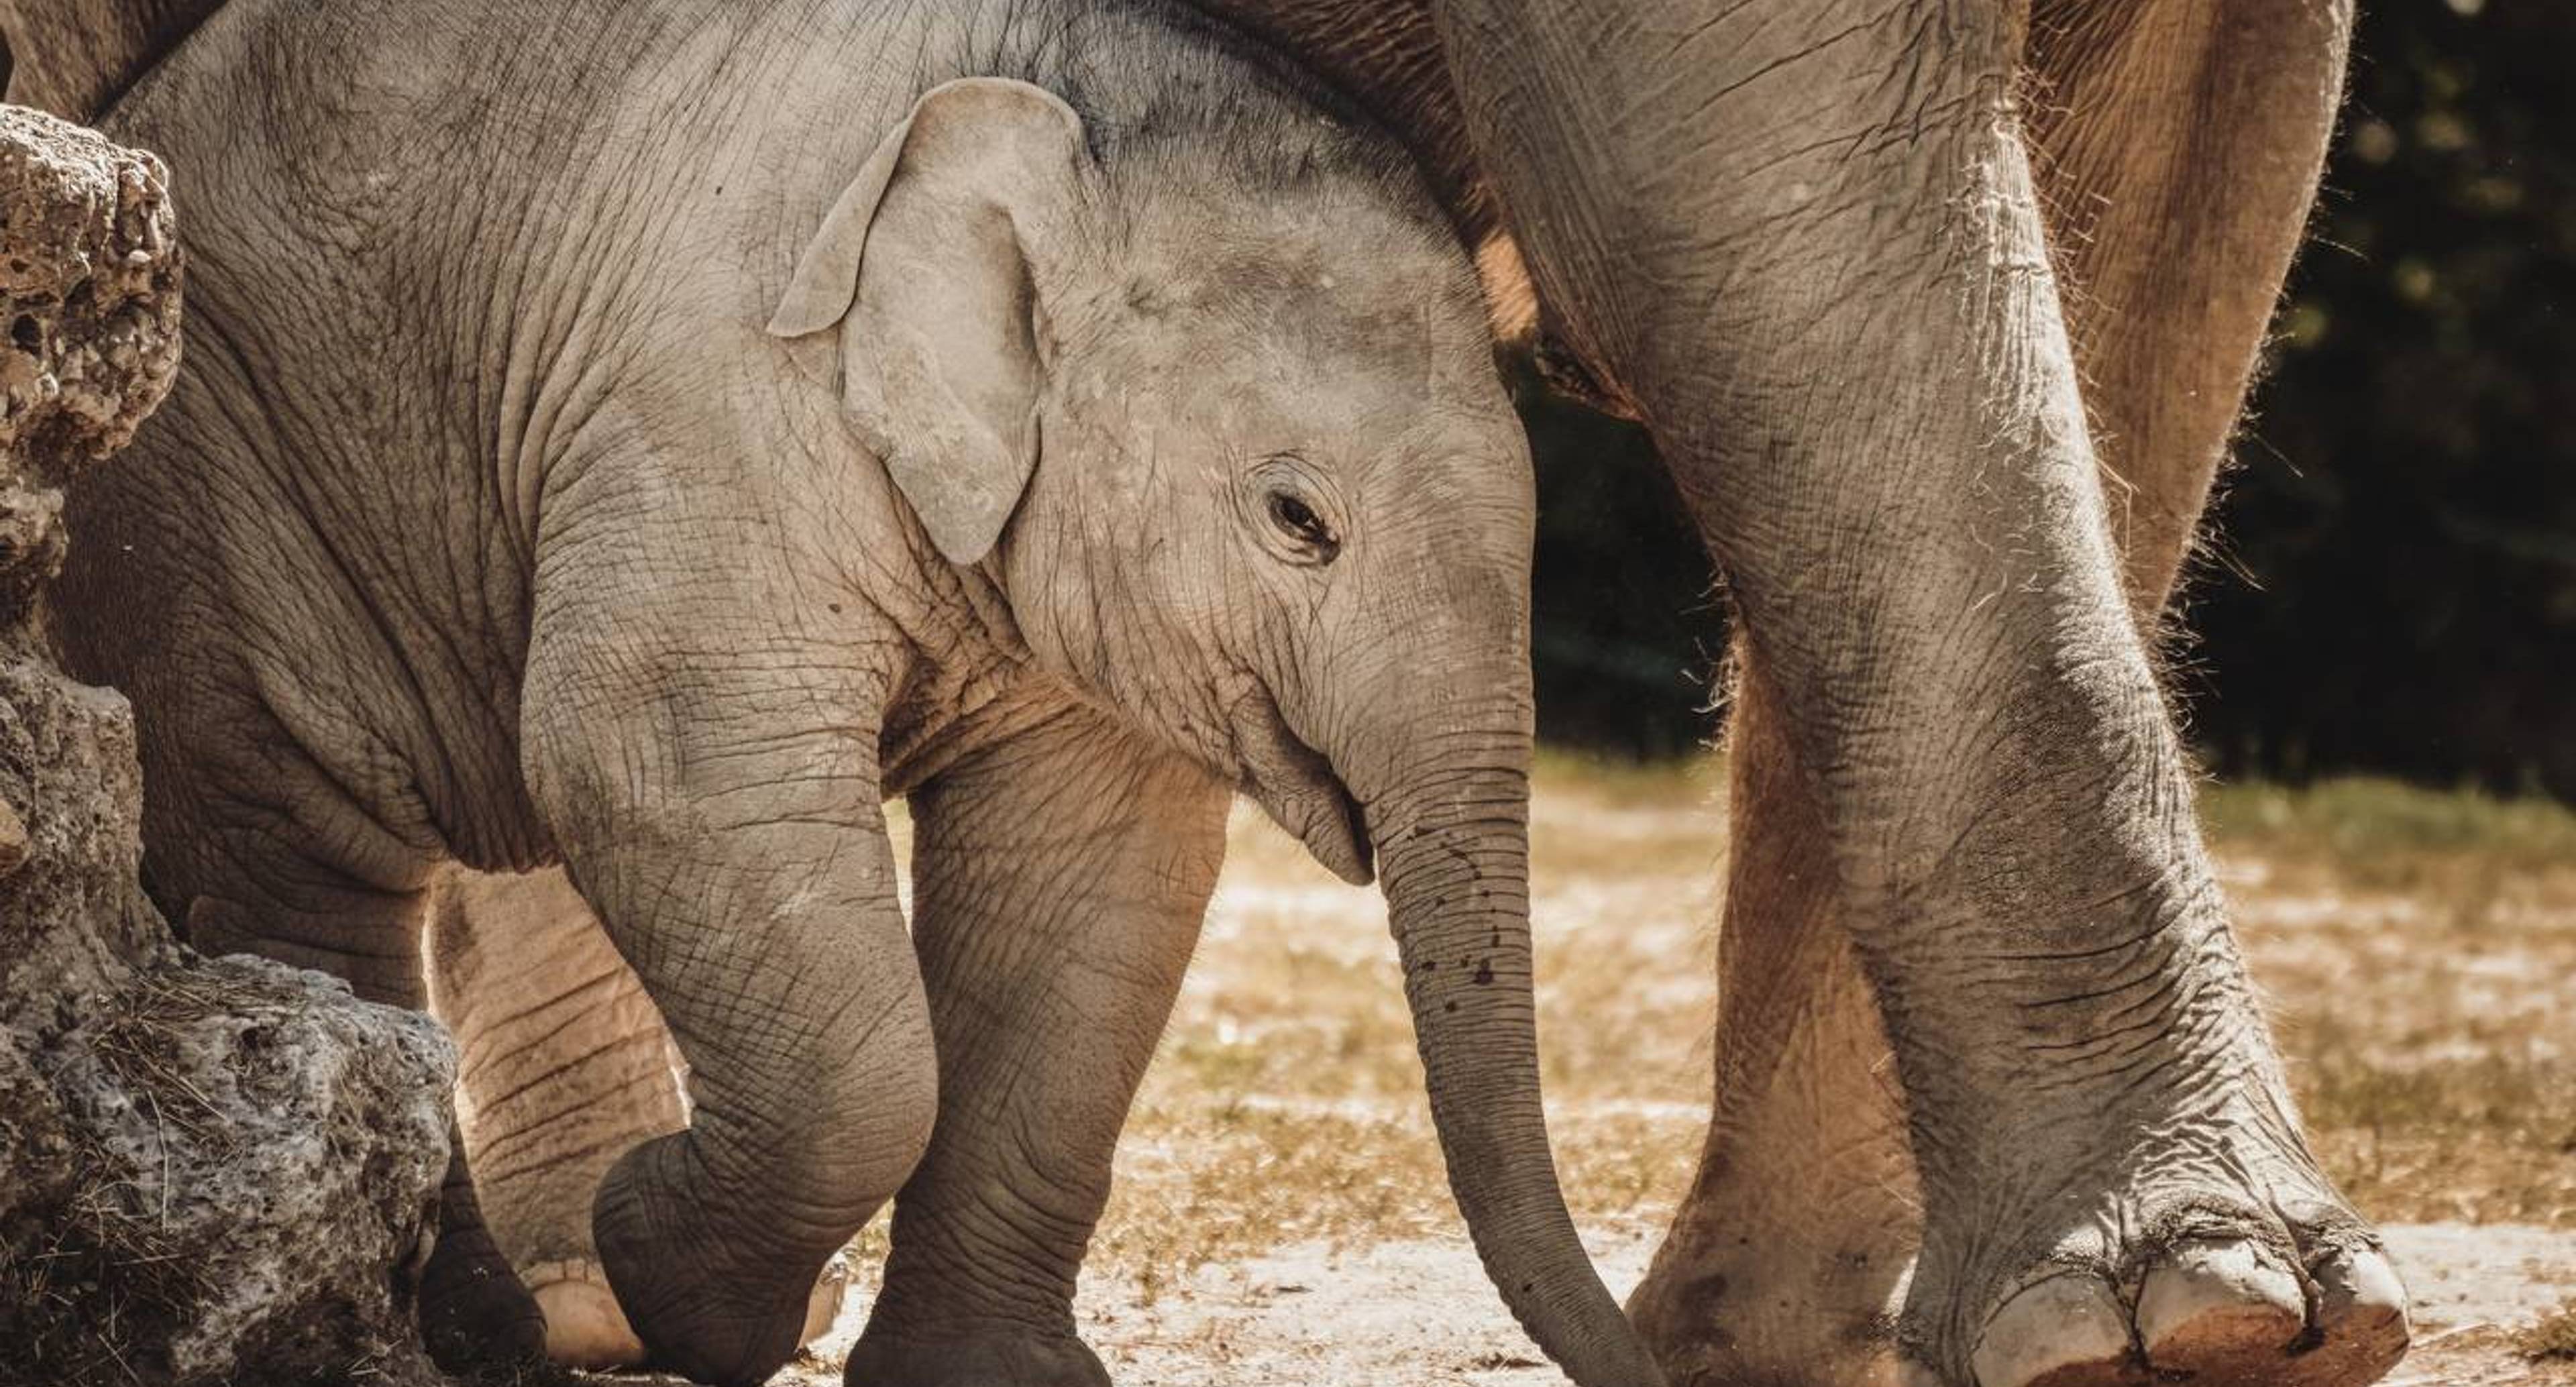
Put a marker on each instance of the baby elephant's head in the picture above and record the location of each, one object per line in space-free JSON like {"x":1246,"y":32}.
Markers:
{"x":1216,"y":407}
{"x":1206,"y":392}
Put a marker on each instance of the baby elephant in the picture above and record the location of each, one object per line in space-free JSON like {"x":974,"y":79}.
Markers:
{"x":642,"y":436}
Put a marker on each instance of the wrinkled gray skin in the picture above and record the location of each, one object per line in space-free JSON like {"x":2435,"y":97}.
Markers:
{"x":566,"y":1066}
{"x":651,"y":466}
{"x":1940,"y":311}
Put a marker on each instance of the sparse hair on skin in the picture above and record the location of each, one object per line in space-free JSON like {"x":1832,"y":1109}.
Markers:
{"x":1174,"y":113}
{"x":1135,"y":98}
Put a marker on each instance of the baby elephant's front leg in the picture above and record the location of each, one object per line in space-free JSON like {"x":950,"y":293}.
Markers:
{"x":719,"y":808}
{"x":1059,"y":880}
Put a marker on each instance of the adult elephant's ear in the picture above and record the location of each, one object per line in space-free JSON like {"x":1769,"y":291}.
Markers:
{"x":926,"y":264}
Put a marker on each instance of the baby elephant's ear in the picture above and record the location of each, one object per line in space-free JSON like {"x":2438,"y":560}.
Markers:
{"x":926,"y":266}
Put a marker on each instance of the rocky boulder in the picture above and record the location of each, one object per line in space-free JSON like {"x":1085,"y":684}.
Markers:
{"x":210,"y":1170}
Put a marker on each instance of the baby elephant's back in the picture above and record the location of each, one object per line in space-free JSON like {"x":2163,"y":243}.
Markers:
{"x":319,"y":547}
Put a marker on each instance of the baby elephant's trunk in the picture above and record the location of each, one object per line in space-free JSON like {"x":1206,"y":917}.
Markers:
{"x":1452,"y":843}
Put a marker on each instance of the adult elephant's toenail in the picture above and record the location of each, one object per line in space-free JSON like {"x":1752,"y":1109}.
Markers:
{"x":2360,"y":1290}
{"x":2361,"y":1317}
{"x":2065,"y":1322}
{"x":2220,"y":1301}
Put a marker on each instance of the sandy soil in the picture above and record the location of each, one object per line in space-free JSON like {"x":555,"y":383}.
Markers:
{"x":1279,"y":1216}
{"x":1418,"y":1313}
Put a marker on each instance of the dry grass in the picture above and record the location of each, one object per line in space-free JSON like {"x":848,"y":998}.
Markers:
{"x":2378,"y":835}
{"x":2552,"y":1339}
{"x":2419,"y":949}
{"x":1286,"y":1105}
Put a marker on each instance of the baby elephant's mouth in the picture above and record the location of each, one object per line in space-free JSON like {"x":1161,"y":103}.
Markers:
{"x":1295,"y":785}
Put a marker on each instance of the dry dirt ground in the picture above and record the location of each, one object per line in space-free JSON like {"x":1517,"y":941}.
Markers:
{"x":1280,"y":1218}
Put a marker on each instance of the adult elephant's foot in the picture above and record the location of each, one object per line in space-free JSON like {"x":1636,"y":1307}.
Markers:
{"x":2220,"y":1310}
{"x":2221,"y":1265}
{"x":1787,"y":1261}
{"x":1789,"y":1282}
{"x":1001,"y":1356}
{"x":1777,"y":1313}
{"x":585,"y":1328}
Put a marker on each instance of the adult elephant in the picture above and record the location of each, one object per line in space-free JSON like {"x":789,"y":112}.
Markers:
{"x":1941,"y":312}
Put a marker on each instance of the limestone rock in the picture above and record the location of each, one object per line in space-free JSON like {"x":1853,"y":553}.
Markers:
{"x":211,"y":1171}
{"x":254,"y":1158}
{"x":89,"y":271}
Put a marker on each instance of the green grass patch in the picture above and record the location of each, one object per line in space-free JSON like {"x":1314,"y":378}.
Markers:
{"x":1618,"y":784}
{"x":2391,"y":836}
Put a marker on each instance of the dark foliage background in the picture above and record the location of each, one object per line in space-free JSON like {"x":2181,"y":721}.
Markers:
{"x":2393,"y":586}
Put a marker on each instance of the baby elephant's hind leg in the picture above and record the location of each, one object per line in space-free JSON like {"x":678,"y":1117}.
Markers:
{"x":254,"y":844}
{"x":566,"y":1065}
{"x":474,"y":1313}
{"x":1059,"y":879}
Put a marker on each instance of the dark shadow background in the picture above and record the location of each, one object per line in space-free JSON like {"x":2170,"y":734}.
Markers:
{"x":2391,"y":586}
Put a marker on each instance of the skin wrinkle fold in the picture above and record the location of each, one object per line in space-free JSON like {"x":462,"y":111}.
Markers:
{"x":646,"y":469}
{"x":1949,"y":39}
{"x":1522,"y":91}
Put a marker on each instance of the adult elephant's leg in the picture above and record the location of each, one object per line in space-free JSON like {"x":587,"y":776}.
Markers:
{"x":1059,"y":879}
{"x":2178,"y":149}
{"x":1784,"y":1258}
{"x":1806,"y":239}
{"x":566,"y":1066}
{"x":2177,"y":146}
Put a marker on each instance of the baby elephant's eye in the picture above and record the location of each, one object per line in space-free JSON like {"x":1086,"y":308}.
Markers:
{"x":1298,"y":521}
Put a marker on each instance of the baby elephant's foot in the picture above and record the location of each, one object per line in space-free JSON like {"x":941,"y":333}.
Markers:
{"x":1013,"y":1356}
{"x":2292,"y":1296}
{"x":474,"y":1313}
{"x":709,"y":1300}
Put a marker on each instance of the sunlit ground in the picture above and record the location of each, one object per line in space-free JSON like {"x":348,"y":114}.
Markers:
{"x":1280,"y":1199}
